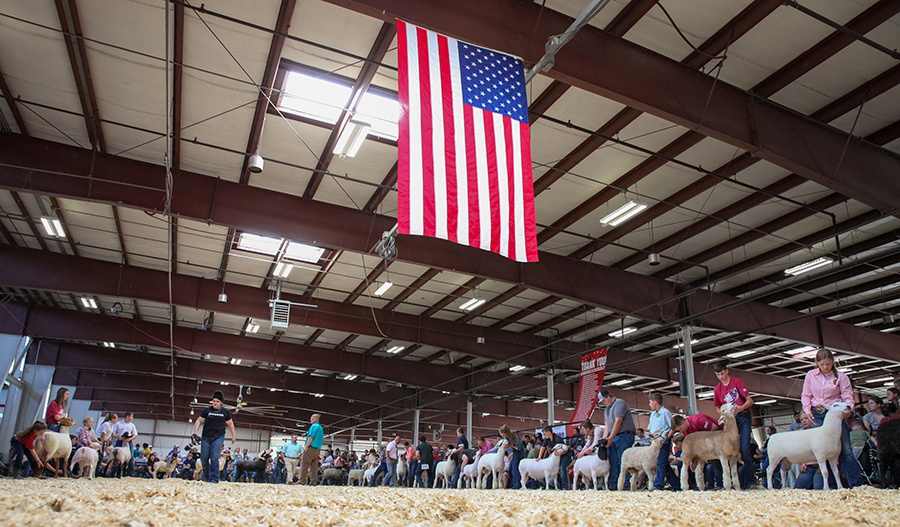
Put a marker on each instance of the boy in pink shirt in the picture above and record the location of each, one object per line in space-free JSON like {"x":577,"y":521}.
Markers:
{"x":732,"y":391}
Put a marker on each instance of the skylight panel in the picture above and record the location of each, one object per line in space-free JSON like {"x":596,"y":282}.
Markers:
{"x":382,"y":113}
{"x":258,"y":243}
{"x":303,"y":252}
{"x":317,"y":98}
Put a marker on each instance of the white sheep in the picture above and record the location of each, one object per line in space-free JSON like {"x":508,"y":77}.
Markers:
{"x":493,"y":464}
{"x":400,"y":476}
{"x":468,"y":478}
{"x":157,"y":468}
{"x":55,"y":445}
{"x":444,"y":470}
{"x":547,"y":468}
{"x":639,"y":458}
{"x":86,"y":459}
{"x":724,"y":445}
{"x":816,"y":445}
{"x":119,"y":457}
{"x":357,"y":475}
{"x":591,"y":467}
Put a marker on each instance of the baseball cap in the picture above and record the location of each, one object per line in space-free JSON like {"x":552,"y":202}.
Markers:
{"x":603,"y":395}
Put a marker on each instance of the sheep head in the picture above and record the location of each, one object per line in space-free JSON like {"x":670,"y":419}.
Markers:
{"x":65,"y":421}
{"x":561,"y":447}
{"x":845,"y":409}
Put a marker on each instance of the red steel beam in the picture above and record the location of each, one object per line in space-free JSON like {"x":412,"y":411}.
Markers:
{"x":177,"y":83}
{"x":29,"y":220}
{"x":13,"y":107}
{"x":644,"y":80}
{"x":217,"y":201}
{"x":282,"y":25}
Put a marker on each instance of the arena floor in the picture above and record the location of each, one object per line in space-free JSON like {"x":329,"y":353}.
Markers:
{"x":139,"y":502}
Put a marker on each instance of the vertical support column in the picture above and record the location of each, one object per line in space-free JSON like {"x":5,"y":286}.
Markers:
{"x":689,"y":370}
{"x":352,"y":437}
{"x":469,"y":419}
{"x":378,"y":434}
{"x":12,"y":347}
{"x":551,"y":398}
{"x":415,"y":430}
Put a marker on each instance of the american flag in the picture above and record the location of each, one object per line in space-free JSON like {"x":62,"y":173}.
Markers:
{"x":464,"y":171}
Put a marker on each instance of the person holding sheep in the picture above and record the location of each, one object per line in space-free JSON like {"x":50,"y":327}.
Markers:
{"x":732,"y":390}
{"x":660,"y":425}
{"x":214,"y":419}
{"x":619,"y":432}
{"x":23,"y":446}
{"x":823,"y":386}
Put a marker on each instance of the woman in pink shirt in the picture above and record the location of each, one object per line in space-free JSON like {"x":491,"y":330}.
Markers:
{"x":822,"y":387}
{"x":56,"y":410}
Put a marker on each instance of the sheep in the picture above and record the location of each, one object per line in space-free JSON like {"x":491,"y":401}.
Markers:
{"x":468,"y":478}
{"x":357,"y":475}
{"x":889,"y":451}
{"x":547,"y":468}
{"x":444,"y":470}
{"x":724,"y":445}
{"x":400,"y":476}
{"x":119,"y":457}
{"x":592,"y":467}
{"x":55,"y":445}
{"x":639,"y":458}
{"x":159,"y":470}
{"x":86,"y":459}
{"x":493,"y":464}
{"x":198,"y":470}
{"x":809,"y":446}
{"x":333,"y":476}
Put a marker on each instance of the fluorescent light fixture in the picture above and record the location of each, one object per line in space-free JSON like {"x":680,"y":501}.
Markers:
{"x":109,"y":344}
{"x":53,"y":226}
{"x":349,"y":377}
{"x":705,"y":395}
{"x":252,"y":327}
{"x":271,"y":389}
{"x":235,"y":361}
{"x":258,"y":243}
{"x":382,"y":289}
{"x":472,"y":303}
{"x":485,"y":414}
{"x":768,"y":401}
{"x":517,"y":367}
{"x":396,"y":349}
{"x":622,"y":382}
{"x":804,"y":353}
{"x":881,"y":379}
{"x":89,"y":302}
{"x":303,"y":252}
{"x":739,"y":354}
{"x":283,"y":269}
{"x":540,"y":401}
{"x":351,"y":138}
{"x":445,"y":392}
{"x":318,"y":395}
{"x":619,"y":333}
{"x":223,"y":383}
{"x":808,"y":266}
{"x":681,"y":344}
{"x":623,"y":213}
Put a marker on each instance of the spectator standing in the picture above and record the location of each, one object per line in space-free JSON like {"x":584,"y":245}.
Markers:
{"x":619,"y":433}
{"x":291,"y":450}
{"x":731,"y":390}
{"x":56,"y":410}
{"x":660,"y":425}
{"x":823,"y":386}
{"x":309,"y":464}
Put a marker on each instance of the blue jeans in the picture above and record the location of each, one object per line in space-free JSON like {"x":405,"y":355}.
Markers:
{"x":810,"y":480}
{"x":515,"y":477}
{"x":849,"y":469}
{"x":456,"y":469}
{"x":53,"y":428}
{"x":744,"y":425}
{"x":664,"y":470}
{"x":619,"y":445}
{"x":381,"y":468}
{"x":713,"y":474}
{"x":391,"y":473}
{"x":563,"y":478}
{"x":211,"y":449}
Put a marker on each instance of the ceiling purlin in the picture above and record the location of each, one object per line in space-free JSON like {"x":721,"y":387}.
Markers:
{"x":412,"y":288}
{"x":71,"y":26}
{"x":28,"y":219}
{"x":7,"y":235}
{"x":366,"y":74}
{"x":13,"y":107}
{"x":330,"y":258}
{"x":373,"y":275}
{"x":177,"y":83}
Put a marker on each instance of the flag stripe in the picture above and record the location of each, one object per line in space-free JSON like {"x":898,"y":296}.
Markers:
{"x":464,"y":158}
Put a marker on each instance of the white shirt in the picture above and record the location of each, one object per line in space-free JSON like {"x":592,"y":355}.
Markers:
{"x":122,"y":427}
{"x":392,"y":450}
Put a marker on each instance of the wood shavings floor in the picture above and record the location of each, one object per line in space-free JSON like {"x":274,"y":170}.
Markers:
{"x":139,"y":502}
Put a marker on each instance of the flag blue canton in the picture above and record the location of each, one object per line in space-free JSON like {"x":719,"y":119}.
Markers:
{"x":493,"y":81}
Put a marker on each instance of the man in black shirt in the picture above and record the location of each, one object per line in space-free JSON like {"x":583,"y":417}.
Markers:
{"x":426,"y":463}
{"x":214,"y":420}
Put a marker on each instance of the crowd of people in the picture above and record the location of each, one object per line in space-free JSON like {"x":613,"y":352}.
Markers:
{"x":395,"y":464}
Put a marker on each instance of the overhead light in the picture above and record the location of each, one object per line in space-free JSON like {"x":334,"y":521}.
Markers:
{"x":808,"y":266}
{"x":620,"y":383}
{"x":53,"y":226}
{"x":318,"y":395}
{"x":479,"y":340}
{"x":619,"y":333}
{"x":681,"y":344}
{"x":282,"y":270}
{"x":396,"y":349}
{"x":349,"y":377}
{"x":540,"y":401}
{"x":252,"y":327}
{"x":223,"y":383}
{"x":255,"y":164}
{"x":351,"y":138}
{"x":739,"y":354}
{"x":235,"y":361}
{"x":623,"y":213}
{"x":472,"y":304}
{"x":485,"y":414}
{"x":382,"y":289}
{"x":653,"y":259}
{"x":109,"y":345}
{"x":768,"y":401}
{"x":705,"y":395}
{"x":881,"y":379}
{"x":192,"y":412}
{"x":89,"y":302}
{"x":804,"y":353}
{"x":517,"y":367}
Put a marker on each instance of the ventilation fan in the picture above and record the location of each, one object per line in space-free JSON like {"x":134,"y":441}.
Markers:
{"x":281,"y":313}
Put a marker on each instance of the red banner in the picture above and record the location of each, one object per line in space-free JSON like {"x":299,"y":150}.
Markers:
{"x":593,"y":366}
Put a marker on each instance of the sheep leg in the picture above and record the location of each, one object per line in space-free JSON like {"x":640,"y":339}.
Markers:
{"x":496,"y":479}
{"x":685,"y":468}
{"x":837,"y":474}
{"x":651,"y":477}
{"x":698,"y":475}
{"x":735,"y":481}
{"x":771,"y":471}
{"x":726,"y":473}
{"x":823,"y":466}
{"x":621,"y":484}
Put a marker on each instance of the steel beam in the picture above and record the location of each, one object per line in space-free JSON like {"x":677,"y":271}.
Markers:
{"x":647,"y":81}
